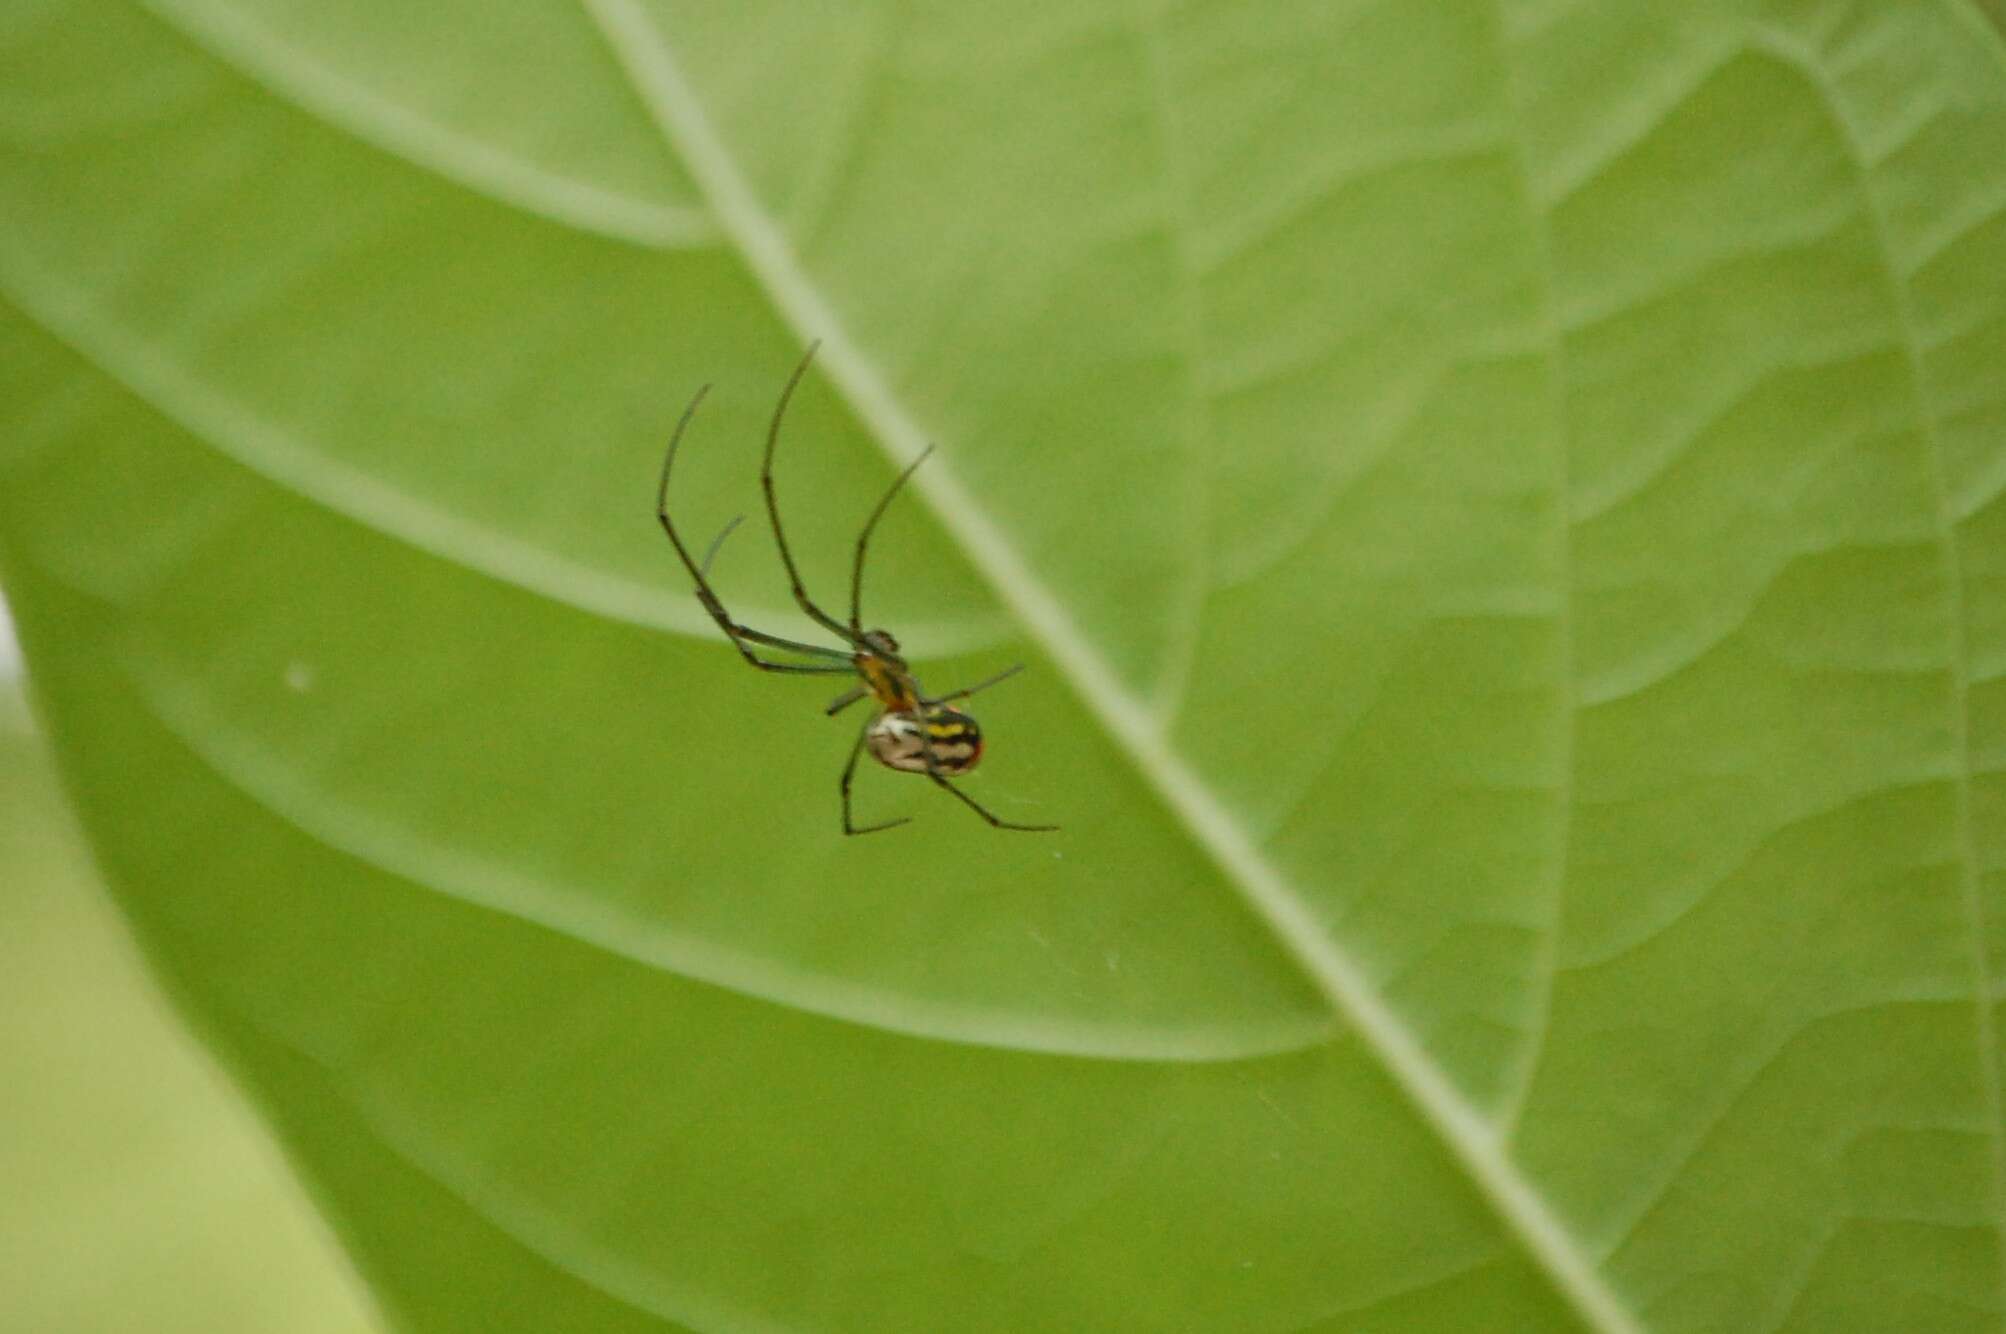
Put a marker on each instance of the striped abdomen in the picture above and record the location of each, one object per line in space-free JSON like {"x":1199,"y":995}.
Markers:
{"x":956,"y":742}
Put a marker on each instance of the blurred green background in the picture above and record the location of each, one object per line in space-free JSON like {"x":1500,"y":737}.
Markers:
{"x":137,"y":1191}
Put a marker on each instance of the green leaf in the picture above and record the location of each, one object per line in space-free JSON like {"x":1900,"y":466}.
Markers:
{"x":1500,"y":504}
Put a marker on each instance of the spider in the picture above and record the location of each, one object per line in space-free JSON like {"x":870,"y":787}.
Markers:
{"x":911,"y":732}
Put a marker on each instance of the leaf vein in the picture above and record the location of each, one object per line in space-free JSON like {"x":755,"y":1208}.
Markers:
{"x":1130,"y":722}
{"x":1566,"y":704}
{"x":1985,"y":991}
{"x":1180,"y":222}
{"x":261,"y":56}
{"x":268,"y":451}
{"x":273,"y":784}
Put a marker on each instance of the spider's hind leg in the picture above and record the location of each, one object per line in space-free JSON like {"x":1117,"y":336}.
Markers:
{"x":933,"y":771}
{"x":985,"y":812}
{"x":850,"y":772}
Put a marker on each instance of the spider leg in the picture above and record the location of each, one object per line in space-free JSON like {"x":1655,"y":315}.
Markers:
{"x":760,"y":636}
{"x":864,"y":541}
{"x":742,"y":637}
{"x":710,"y":552}
{"x":845,"y":700}
{"x":984,"y":811}
{"x":940,"y":780}
{"x":801,"y":598}
{"x":850,"y":772}
{"x":965,"y":692}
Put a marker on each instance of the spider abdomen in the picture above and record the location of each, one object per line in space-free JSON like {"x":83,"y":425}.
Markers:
{"x":902,"y":739}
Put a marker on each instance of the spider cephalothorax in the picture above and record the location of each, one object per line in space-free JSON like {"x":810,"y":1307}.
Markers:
{"x":911,"y":732}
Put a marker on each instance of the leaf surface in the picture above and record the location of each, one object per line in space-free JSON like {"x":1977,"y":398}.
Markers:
{"x":1498,"y":503}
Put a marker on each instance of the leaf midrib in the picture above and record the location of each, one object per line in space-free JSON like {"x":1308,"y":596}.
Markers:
{"x":671,"y":101}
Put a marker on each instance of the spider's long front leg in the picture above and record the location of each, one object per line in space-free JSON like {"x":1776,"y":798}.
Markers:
{"x":839,"y":664}
{"x":740,"y":631}
{"x":801,"y":598}
{"x":742,"y":637}
{"x":864,"y":542}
